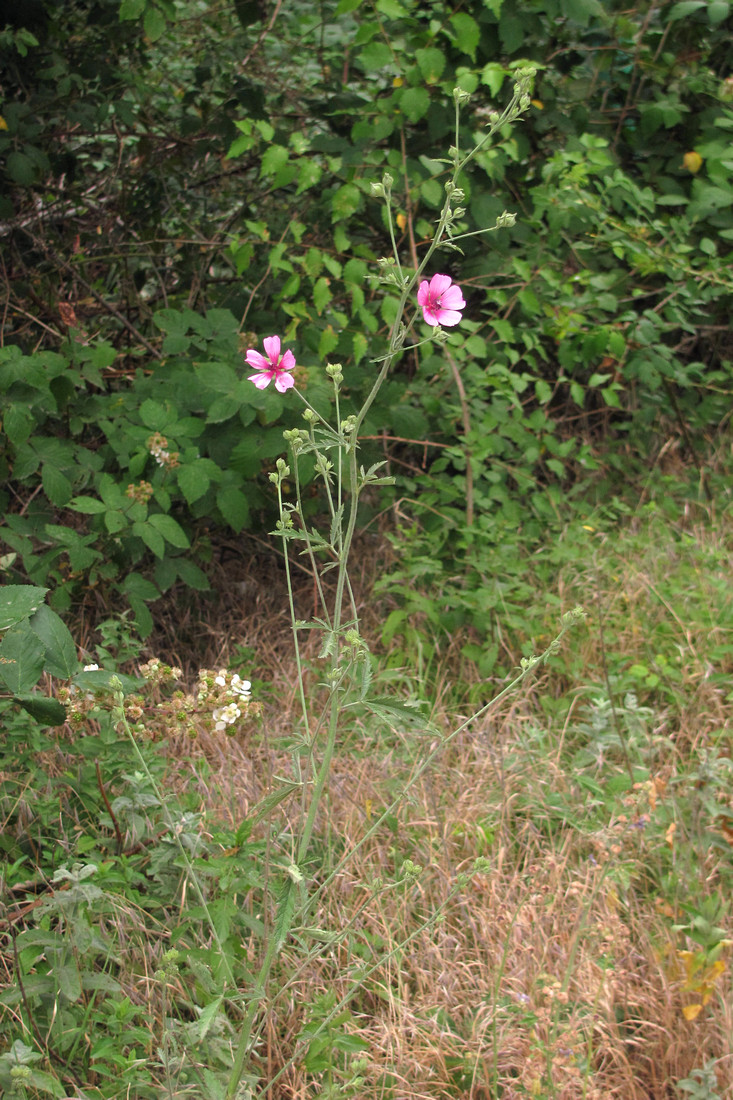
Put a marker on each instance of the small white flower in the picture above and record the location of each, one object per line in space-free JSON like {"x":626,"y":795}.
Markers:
{"x":226,"y":716}
{"x":241,"y":687}
{"x":91,"y":668}
{"x":221,"y":680}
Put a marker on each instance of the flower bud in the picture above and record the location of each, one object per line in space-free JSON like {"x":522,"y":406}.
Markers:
{"x":506,"y":220}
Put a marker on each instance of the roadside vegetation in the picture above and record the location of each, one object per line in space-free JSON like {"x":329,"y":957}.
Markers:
{"x":272,"y":820}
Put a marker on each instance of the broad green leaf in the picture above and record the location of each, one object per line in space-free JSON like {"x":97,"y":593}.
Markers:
{"x":328,"y":341}
{"x":68,"y":981}
{"x":414,"y":102}
{"x":191,"y":575}
{"x":345,"y":202}
{"x":156,"y":416}
{"x":685,"y":8}
{"x":46,"y":711}
{"x":18,"y":602}
{"x":359,"y":345}
{"x":375,"y":57}
{"x":431,"y":63}
{"x":115,"y":521}
{"x":467,"y":33}
{"x":492,"y":75}
{"x":234,"y":507}
{"x":131,"y":9}
{"x":22,"y":659}
{"x":152,"y":538}
{"x":20,"y":168}
{"x":321,"y":294}
{"x":171,"y":531}
{"x":154,"y":22}
{"x":718,"y":10}
{"x":136,"y":585}
{"x":193,"y":480}
{"x":143,"y":618}
{"x":17,"y":423}
{"x":88,"y":506}
{"x":61,"y":657}
{"x":56,"y":485}
{"x":309,"y":174}
{"x":273,"y":160}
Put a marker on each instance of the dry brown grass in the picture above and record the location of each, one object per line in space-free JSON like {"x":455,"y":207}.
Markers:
{"x":547,"y":976}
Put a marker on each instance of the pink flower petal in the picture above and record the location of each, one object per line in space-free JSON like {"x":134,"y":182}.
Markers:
{"x":272,"y":347}
{"x":439,"y":284}
{"x":261,"y":380}
{"x":288,"y":361}
{"x":449,"y":317}
{"x":257,"y":361}
{"x":452,"y":298}
{"x":283,"y":382}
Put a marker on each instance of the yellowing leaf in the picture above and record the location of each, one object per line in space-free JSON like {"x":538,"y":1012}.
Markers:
{"x":690,"y":1012}
{"x":692,"y":162}
{"x":538,"y":104}
{"x":3,"y":123}
{"x":397,"y":82}
{"x":401,"y":221}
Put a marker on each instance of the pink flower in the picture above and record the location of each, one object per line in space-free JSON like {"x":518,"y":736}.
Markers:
{"x":274,"y":366}
{"x":441,"y":301}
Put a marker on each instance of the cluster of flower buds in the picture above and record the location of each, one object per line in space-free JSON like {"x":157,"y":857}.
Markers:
{"x":157,"y":444}
{"x":141,"y":493}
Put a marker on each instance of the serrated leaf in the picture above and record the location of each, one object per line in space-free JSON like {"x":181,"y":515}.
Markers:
{"x":152,"y":538}
{"x":18,"y":602}
{"x":285,"y":910}
{"x":359,"y":345}
{"x":414,"y":103}
{"x":140,"y":587}
{"x":345,"y":202}
{"x":275,"y":157}
{"x":265,"y":806}
{"x":46,"y":711}
{"x":131,"y":9}
{"x":54,"y":635}
{"x":56,"y":485}
{"x":154,"y":415}
{"x":17,"y":424}
{"x":191,"y":575}
{"x":171,"y":531}
{"x":88,"y":506}
{"x":234,"y":507}
{"x":193,"y":482}
{"x":22,"y":657}
{"x":431,"y":63}
{"x":153,"y":23}
{"x":467,"y":33}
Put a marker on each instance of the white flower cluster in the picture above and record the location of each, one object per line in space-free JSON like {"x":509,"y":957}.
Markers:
{"x":230,"y":690}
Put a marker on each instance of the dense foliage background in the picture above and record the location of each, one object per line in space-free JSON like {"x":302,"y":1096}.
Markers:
{"x":182,"y":179}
